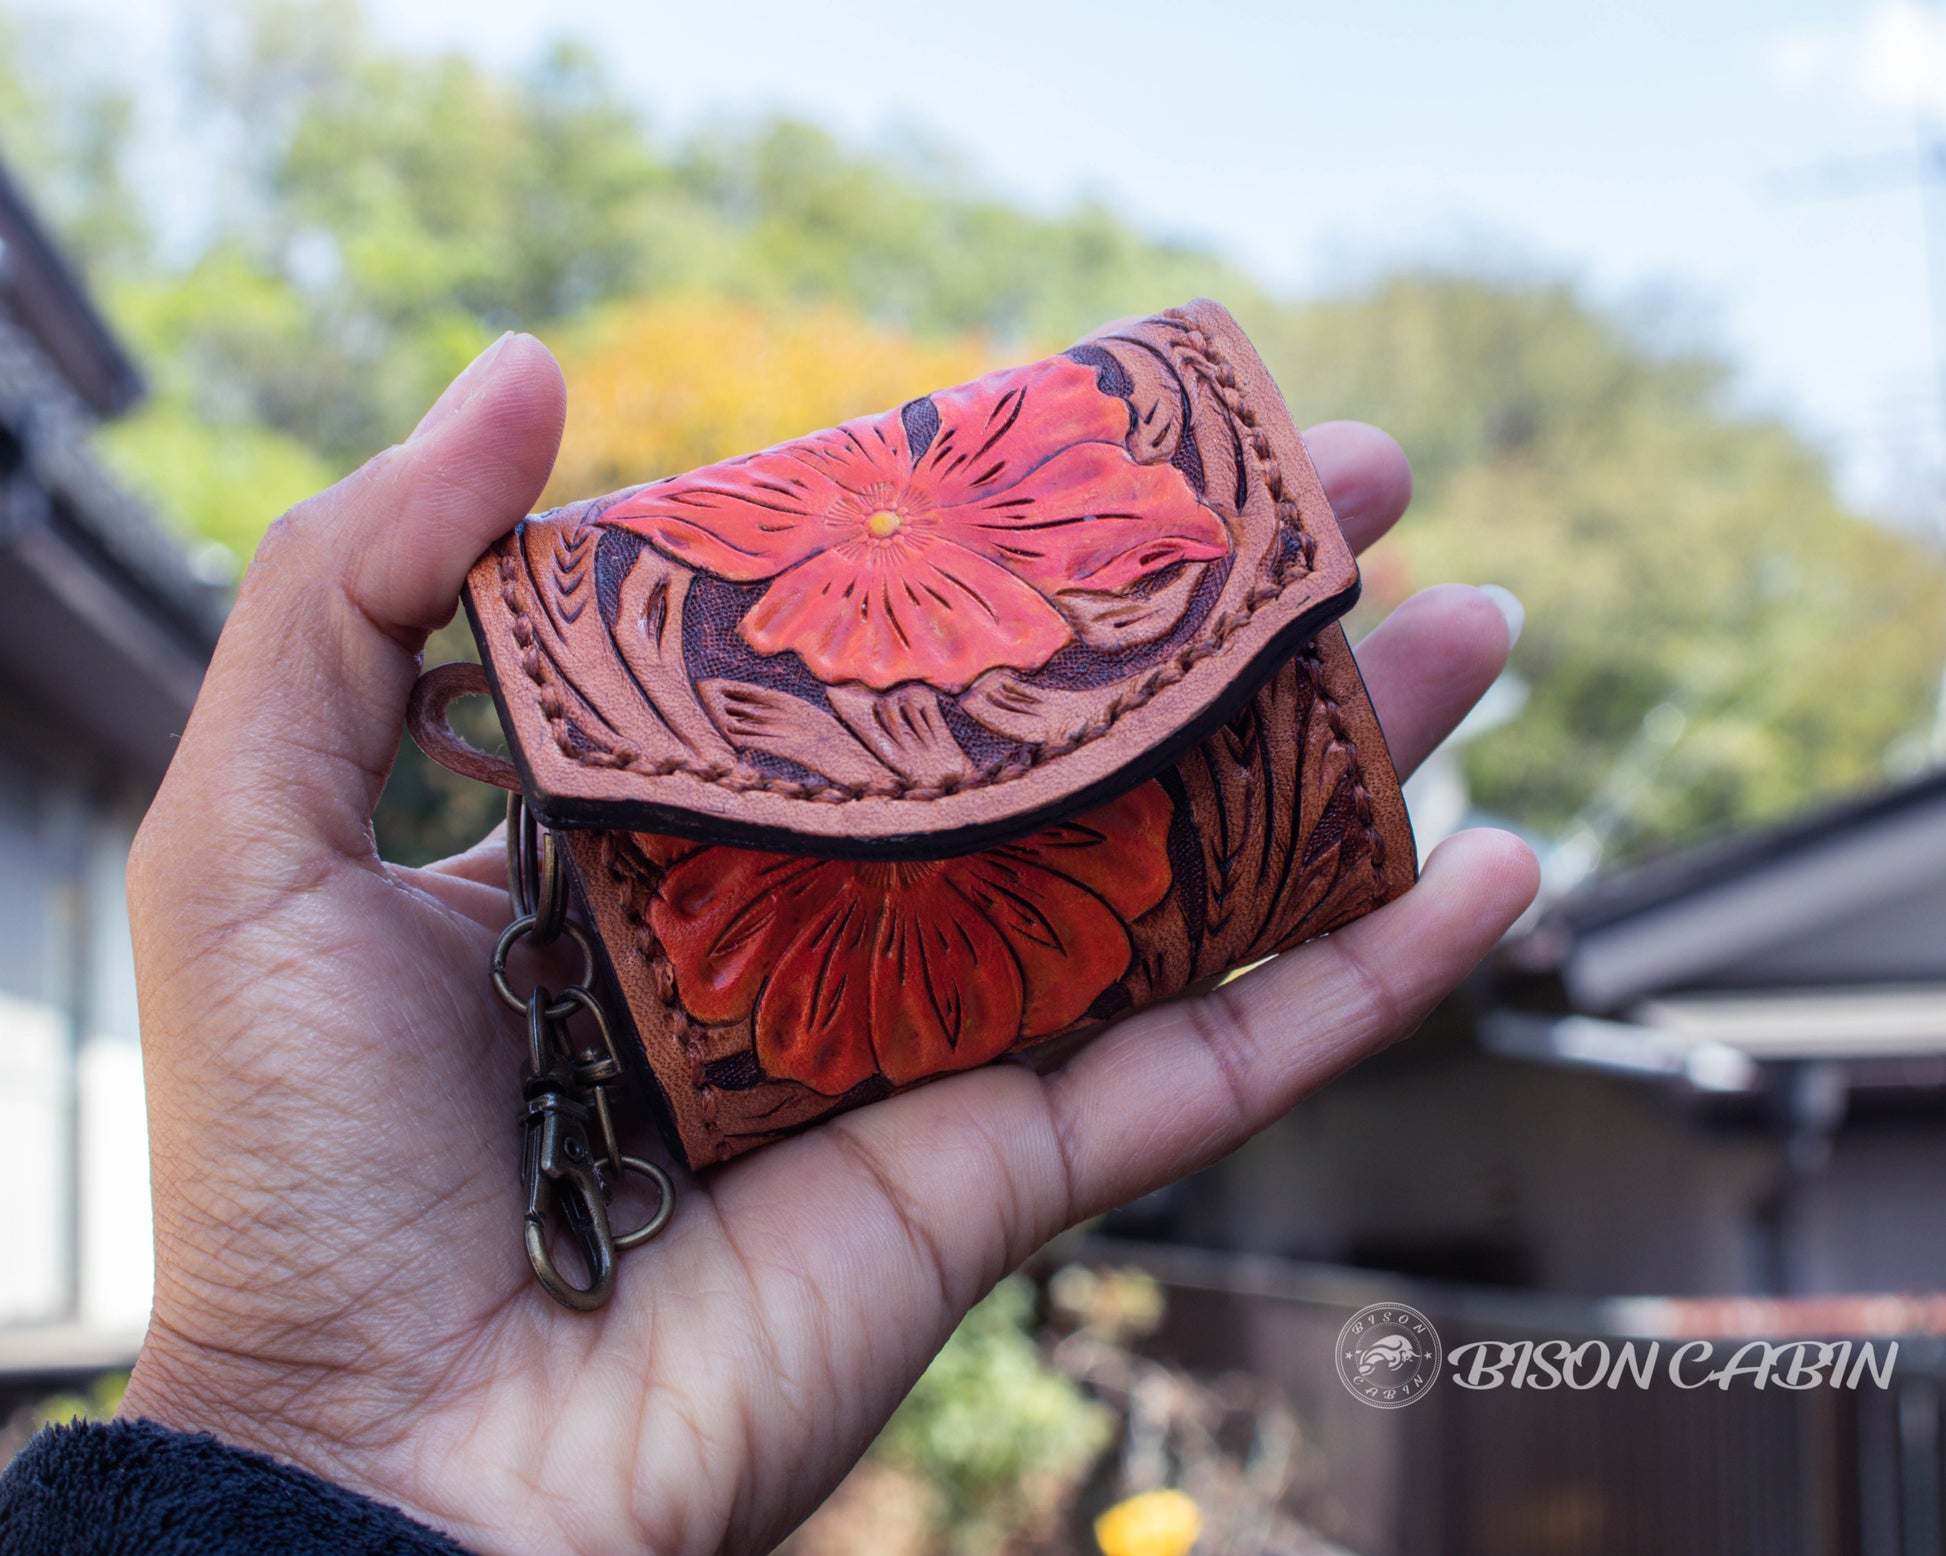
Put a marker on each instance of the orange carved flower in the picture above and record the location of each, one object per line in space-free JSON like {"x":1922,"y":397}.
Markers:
{"x":910,"y":968}
{"x":928,"y":543}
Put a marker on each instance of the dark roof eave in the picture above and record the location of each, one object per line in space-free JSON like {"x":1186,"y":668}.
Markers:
{"x":52,"y":305}
{"x":1707,"y":866}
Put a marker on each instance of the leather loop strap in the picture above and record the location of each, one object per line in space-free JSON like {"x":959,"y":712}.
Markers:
{"x":425,"y":716}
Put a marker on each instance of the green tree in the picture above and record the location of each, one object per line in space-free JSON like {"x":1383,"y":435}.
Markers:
{"x":387,"y":214}
{"x":1669,"y":551}
{"x":915,"y":243}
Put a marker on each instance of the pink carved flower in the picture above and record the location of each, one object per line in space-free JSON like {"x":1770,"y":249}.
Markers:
{"x":929,"y":544}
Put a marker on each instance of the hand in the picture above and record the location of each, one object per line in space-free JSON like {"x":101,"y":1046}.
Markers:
{"x":332,"y":1086}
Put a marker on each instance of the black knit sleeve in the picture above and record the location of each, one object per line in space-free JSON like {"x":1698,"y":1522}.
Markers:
{"x":92,"y":1489}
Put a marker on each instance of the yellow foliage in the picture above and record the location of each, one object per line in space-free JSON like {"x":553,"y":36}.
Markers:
{"x":659,"y":386}
{"x":1155,"y":1523}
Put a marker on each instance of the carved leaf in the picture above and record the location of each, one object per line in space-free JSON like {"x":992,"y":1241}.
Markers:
{"x":1279,"y":865}
{"x":1161,"y":964}
{"x":1243,"y":831}
{"x":905,"y":730}
{"x":1181,"y":414}
{"x":1111,"y":621}
{"x":1333,"y":878}
{"x":571,"y":573}
{"x":1156,"y":400}
{"x":1320,"y":858}
{"x":1218,"y":438}
{"x":550,"y":567}
{"x":648,"y":635}
{"x":1242,"y":789}
{"x":1038,"y":715}
{"x":760,"y":718}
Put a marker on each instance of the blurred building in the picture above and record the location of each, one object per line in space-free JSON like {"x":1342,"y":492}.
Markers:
{"x":1717,"y":1083}
{"x":1721,"y":1074}
{"x":105,"y":628}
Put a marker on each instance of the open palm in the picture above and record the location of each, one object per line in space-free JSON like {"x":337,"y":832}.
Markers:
{"x":333,"y":1087}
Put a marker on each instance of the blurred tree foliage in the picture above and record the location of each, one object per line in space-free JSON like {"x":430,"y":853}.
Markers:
{"x":379,"y":216}
{"x":1001,"y":1437}
{"x":1669,"y":553}
{"x":640,"y":409}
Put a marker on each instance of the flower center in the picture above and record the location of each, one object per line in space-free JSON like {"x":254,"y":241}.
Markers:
{"x":896,"y":875}
{"x":884,"y":524}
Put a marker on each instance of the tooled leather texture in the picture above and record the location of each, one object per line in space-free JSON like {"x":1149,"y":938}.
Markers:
{"x":949,"y":733}
{"x":922,"y":630}
{"x":771,"y":990}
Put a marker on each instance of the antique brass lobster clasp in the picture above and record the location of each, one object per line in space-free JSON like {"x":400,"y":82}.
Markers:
{"x":558,"y":1168}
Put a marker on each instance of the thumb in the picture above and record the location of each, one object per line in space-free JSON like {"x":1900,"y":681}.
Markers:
{"x":299,"y":716}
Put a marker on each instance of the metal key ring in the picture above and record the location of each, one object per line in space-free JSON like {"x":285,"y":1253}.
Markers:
{"x":564,"y":1005}
{"x":665,"y":1186}
{"x":537,"y":880}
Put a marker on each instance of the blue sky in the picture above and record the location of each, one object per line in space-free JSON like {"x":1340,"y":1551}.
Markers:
{"x":1647,"y":149}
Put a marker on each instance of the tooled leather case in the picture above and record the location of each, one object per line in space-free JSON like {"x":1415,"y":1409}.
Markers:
{"x":950,"y":731}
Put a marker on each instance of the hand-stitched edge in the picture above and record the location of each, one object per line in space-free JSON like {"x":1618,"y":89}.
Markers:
{"x":1128,"y":700}
{"x":628,"y":889}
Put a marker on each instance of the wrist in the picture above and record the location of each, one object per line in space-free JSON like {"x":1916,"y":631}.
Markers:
{"x":297,"y":1415}
{"x":134,"y":1485}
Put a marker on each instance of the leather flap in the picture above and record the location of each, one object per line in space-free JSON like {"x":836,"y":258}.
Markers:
{"x":927,"y":631}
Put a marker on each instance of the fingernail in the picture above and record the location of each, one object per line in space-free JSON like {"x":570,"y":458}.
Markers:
{"x":1512,"y":612}
{"x":460,"y":390}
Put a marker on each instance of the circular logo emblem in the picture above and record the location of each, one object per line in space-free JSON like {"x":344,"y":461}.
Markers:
{"x":1388,"y":1354}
